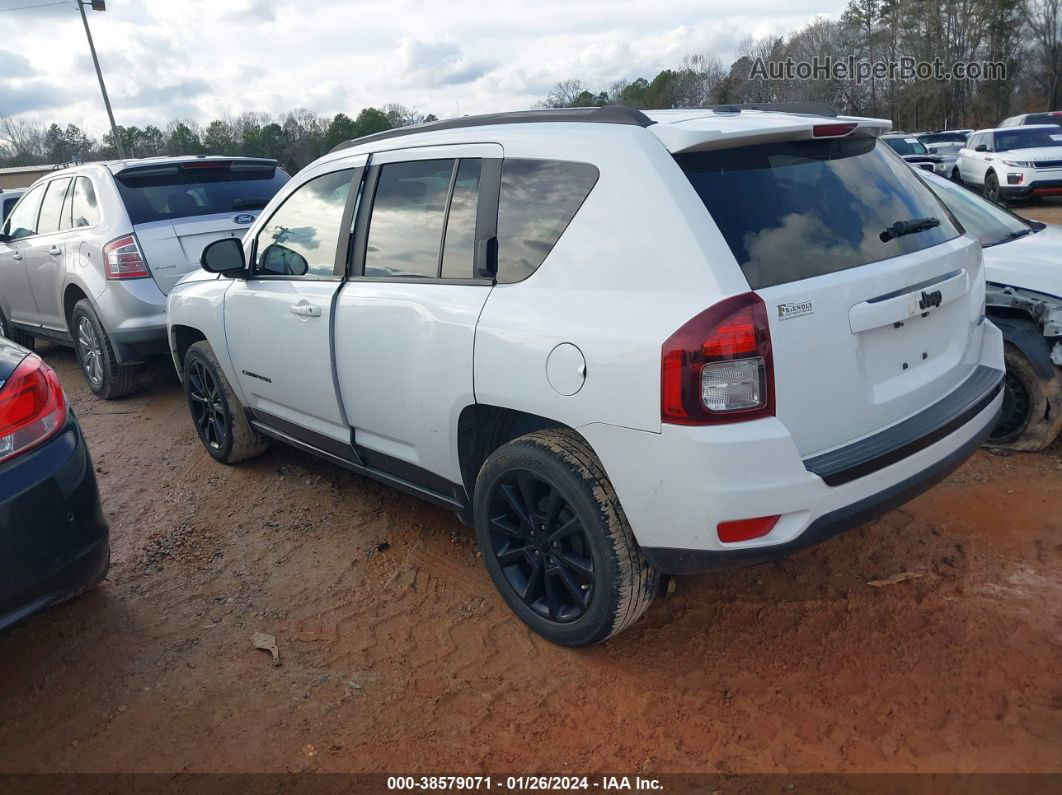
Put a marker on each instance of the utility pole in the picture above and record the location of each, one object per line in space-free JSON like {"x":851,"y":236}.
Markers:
{"x":101,"y":5}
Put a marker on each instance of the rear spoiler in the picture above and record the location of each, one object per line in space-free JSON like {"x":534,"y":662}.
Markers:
{"x":172,"y":169}
{"x":712,"y":132}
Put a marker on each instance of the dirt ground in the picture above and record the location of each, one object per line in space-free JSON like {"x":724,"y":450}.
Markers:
{"x":397,"y":655}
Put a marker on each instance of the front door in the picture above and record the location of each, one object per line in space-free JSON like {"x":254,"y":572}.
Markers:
{"x":16,"y":297}
{"x":278,"y":321}
{"x":45,"y":263}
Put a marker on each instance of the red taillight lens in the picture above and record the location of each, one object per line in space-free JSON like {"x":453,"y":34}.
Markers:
{"x":718,"y":367}
{"x":833,"y":130}
{"x":32,"y":407}
{"x":746,"y":529}
{"x":123,"y":259}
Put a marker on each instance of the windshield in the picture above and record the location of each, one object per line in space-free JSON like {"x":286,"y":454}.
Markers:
{"x":799,"y":209}
{"x":989,"y":222}
{"x":906,"y":146}
{"x":943,"y":138}
{"x":1025,"y":138}
{"x":1054,"y":117}
{"x":188,"y":192}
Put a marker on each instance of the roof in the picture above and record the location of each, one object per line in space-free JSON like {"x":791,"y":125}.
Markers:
{"x":27,"y":169}
{"x":1019,"y":127}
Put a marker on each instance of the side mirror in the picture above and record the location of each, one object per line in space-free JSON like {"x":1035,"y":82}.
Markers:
{"x":5,"y":237}
{"x":981,"y":148}
{"x":225,"y":257}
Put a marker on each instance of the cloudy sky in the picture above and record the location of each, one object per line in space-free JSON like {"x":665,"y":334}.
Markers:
{"x":202,"y":59}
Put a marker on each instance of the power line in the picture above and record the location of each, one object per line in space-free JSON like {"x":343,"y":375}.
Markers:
{"x":39,"y":5}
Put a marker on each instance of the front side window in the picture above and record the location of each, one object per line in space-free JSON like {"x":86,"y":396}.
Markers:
{"x":302,"y":236}
{"x":52,"y":206}
{"x":538,"y":199}
{"x":85,"y":210}
{"x":799,"y":209}
{"x":23,"y":219}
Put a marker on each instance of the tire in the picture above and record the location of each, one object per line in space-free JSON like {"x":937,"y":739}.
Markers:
{"x":13,"y":334}
{"x":105,"y":376}
{"x":956,"y":176}
{"x":583,"y":578}
{"x":219,"y":418}
{"x":1032,"y":406}
{"x":991,"y":190}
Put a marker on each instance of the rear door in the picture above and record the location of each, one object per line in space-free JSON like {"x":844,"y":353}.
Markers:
{"x":177,"y":209}
{"x":406,"y":319}
{"x":868,"y":326}
{"x":278,"y":321}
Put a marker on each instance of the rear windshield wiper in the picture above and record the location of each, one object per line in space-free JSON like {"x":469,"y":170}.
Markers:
{"x":249,"y":204}
{"x":901,"y":228}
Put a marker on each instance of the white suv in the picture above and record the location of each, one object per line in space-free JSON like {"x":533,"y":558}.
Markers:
{"x":619,"y":344}
{"x":1013,"y":162}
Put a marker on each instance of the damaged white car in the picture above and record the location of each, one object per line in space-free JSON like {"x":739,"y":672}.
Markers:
{"x":1023,"y":267}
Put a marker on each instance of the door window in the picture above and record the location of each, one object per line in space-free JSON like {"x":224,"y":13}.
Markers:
{"x":52,"y":206}
{"x":302,"y":236}
{"x":23,"y":219}
{"x":459,"y":250}
{"x":84,"y":209}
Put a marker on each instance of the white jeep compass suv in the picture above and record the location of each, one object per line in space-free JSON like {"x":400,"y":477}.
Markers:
{"x":618,"y":343}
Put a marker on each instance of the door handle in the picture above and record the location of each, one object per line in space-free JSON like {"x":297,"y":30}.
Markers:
{"x":54,"y":251}
{"x":306,"y":310}
{"x":17,"y":254}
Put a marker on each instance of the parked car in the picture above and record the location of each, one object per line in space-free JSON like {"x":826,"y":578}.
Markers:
{"x":54,"y":540}
{"x":1048,"y":117}
{"x":916,"y":153}
{"x":1014,"y":162}
{"x":89,"y":253}
{"x":8,"y":199}
{"x":618,"y":344}
{"x":1023,"y":266}
{"x":946,"y":144}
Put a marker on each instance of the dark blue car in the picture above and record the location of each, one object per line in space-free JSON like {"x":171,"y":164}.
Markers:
{"x":54,"y":541}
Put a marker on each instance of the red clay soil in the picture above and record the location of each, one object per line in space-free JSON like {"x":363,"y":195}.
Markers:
{"x":396,"y":654}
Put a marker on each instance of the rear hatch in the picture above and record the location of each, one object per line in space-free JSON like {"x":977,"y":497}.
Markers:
{"x":870,"y":322}
{"x":177,"y":208}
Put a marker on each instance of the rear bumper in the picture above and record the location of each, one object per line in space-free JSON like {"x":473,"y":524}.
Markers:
{"x":678,"y":485}
{"x":54,"y":540}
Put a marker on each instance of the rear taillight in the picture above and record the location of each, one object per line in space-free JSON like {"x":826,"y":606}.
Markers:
{"x":32,"y":407}
{"x":123,"y":259}
{"x":718,"y":368}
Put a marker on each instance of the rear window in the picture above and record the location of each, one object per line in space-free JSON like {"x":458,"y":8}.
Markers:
{"x":170,"y":192}
{"x":799,"y":209}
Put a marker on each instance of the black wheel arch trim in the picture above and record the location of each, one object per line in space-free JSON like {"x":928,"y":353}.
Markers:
{"x":1027,"y":338}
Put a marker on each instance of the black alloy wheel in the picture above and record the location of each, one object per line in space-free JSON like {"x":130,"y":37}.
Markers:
{"x":1015,"y":413}
{"x":541,"y":546}
{"x":207,"y":403}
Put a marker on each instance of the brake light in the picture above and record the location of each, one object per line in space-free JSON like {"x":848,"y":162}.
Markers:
{"x":32,"y":407}
{"x":718,"y":367}
{"x":746,"y":529}
{"x":123,"y":259}
{"x":190,"y":164}
{"x":833,"y":130}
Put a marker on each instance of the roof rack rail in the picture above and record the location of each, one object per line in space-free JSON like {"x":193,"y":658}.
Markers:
{"x":798,"y":108}
{"x":609,"y":114}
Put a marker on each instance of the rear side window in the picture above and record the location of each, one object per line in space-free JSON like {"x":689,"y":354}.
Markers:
{"x":800,"y":209}
{"x":302,"y":236}
{"x":23,"y":219}
{"x":85,"y":210}
{"x":538,"y":200}
{"x":52,"y":206}
{"x":201,"y":188}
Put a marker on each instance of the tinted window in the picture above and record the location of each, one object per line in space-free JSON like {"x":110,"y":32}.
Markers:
{"x":459,"y":251}
{"x":302,"y":236}
{"x":800,"y":209}
{"x":943,"y":138}
{"x":1025,"y":138}
{"x":989,"y":222}
{"x":538,"y":200}
{"x":182,"y":192}
{"x":23,"y":219}
{"x":406,"y":226}
{"x":6,"y":206}
{"x":1044,"y":118}
{"x":85,"y":211}
{"x":52,"y":206}
{"x":906,"y":146}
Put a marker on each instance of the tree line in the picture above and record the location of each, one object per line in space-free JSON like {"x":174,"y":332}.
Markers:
{"x":295,"y":139}
{"x":1025,"y":36}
